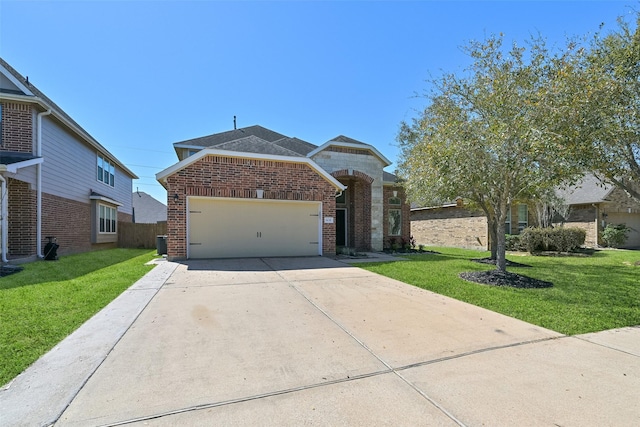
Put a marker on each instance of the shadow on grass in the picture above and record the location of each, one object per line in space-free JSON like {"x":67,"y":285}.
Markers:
{"x":68,"y":267}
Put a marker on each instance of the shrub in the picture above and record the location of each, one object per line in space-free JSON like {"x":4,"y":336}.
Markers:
{"x":512,"y":242}
{"x":614,"y":235}
{"x":552,"y":239}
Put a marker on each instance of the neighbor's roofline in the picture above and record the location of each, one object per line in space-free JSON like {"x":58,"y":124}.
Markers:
{"x":162,"y":175}
{"x":362,"y":146}
{"x":73,"y":127}
{"x":449,"y":205}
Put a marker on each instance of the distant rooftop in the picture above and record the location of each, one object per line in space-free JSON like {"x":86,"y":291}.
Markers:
{"x":147,"y":210}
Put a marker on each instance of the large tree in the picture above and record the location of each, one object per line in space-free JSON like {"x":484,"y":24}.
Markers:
{"x":609,"y":82}
{"x":493,"y":134}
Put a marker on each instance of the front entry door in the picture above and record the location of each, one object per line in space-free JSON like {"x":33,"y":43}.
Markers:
{"x":341,"y":227}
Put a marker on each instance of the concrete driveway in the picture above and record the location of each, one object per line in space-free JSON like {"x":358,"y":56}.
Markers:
{"x":313,"y":341}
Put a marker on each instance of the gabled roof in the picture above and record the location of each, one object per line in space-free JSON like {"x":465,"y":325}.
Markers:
{"x":294,"y":144}
{"x":253,"y":144}
{"x":252,"y":139}
{"x":346,"y":142}
{"x":147,"y":210}
{"x":27,"y":92}
{"x":342,"y":138}
{"x":163,"y":175}
{"x":588,"y":190}
{"x":231,"y":135}
{"x":388,"y":177}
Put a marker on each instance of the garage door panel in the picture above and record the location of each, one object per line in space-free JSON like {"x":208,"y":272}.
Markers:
{"x":224,"y":228}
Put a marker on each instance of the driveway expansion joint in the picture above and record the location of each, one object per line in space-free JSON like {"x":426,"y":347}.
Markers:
{"x":211,"y":405}
{"x":363,"y":345}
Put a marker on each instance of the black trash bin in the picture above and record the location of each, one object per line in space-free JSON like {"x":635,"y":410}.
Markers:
{"x":161,"y":245}
{"x":51,"y":249}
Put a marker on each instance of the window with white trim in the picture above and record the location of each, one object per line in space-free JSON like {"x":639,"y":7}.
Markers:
{"x":108,"y":219}
{"x":106,"y":171}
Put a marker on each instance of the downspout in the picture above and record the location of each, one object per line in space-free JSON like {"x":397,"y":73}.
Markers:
{"x":4,"y":199}
{"x":39,"y":183}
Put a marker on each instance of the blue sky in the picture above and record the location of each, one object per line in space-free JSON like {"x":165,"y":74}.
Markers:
{"x":141,"y":75}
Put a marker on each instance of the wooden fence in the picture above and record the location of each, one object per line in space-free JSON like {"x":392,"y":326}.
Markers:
{"x":142,"y":236}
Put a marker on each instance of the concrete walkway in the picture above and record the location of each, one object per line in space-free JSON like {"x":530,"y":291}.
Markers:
{"x":313,"y":341}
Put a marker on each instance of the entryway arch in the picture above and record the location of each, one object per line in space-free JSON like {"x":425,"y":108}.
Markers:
{"x":353,"y":210}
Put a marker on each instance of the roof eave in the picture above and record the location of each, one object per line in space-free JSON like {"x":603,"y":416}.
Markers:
{"x":80,"y":132}
{"x":163,"y":175}
{"x":105,"y":199}
{"x":13,"y":167}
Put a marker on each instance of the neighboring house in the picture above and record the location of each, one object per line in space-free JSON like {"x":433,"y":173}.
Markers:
{"x":56,"y":179}
{"x":255,"y":192}
{"x":592,"y":206}
{"x":147,"y":210}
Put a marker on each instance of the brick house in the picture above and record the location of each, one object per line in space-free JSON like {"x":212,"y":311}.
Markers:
{"x":591,"y":207}
{"x":57,"y":179}
{"x":255,"y":192}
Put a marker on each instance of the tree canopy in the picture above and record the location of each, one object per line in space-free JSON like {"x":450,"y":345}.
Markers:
{"x":495,"y":134}
{"x":610,"y":78}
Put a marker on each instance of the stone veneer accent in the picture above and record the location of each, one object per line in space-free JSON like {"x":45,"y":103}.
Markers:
{"x":355,"y":162}
{"x":221,"y":176}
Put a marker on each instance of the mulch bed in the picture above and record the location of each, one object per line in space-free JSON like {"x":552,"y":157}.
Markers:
{"x":6,"y":270}
{"x":504,"y":278}
{"x":493,"y":262}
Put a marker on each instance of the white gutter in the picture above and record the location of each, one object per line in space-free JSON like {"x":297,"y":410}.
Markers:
{"x":39,"y":183}
{"x":4,"y":199}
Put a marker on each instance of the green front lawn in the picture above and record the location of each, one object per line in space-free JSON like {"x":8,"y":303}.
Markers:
{"x":50,"y":299}
{"x":589,"y":293}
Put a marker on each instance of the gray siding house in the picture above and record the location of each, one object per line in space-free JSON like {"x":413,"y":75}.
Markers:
{"x":58,"y":180}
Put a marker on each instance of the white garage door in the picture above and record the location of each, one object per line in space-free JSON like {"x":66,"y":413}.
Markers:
{"x":632,"y":221}
{"x":230,"y":228}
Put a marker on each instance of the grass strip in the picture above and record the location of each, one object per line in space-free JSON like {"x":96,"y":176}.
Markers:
{"x":589,"y":294}
{"x":48,"y":300}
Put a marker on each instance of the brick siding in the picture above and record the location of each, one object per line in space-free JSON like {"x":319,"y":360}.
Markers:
{"x":450,"y":226}
{"x":17,"y":127}
{"x":22,"y":219}
{"x":220,"y":176}
{"x":585,"y":217}
{"x":358,"y":198}
{"x":69,"y":222}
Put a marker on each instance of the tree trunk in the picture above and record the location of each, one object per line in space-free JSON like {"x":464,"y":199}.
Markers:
{"x":501,"y":261}
{"x":493,"y":240}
